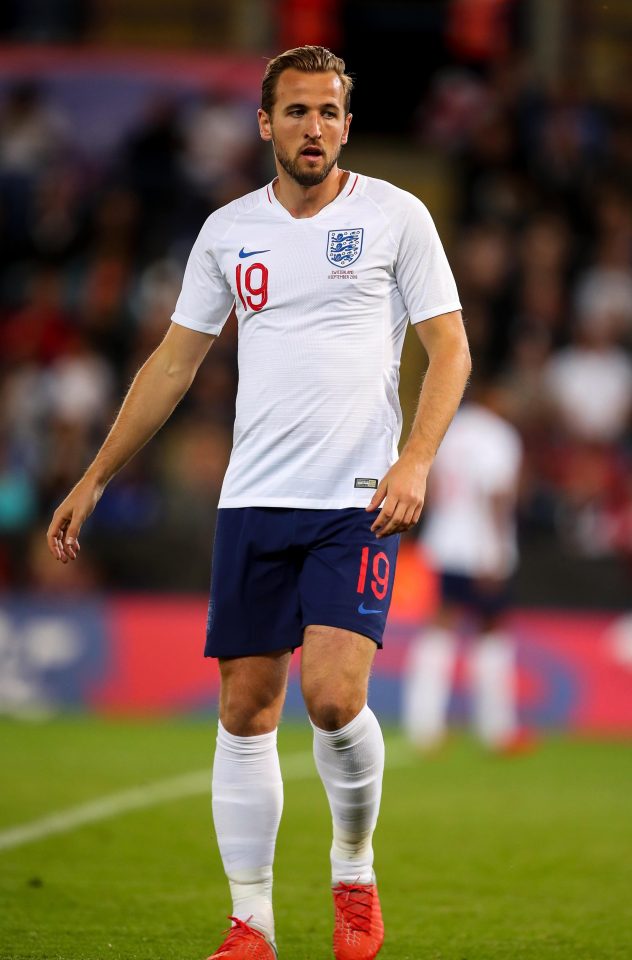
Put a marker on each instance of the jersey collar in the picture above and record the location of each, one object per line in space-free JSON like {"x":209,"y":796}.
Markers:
{"x":271,"y":199}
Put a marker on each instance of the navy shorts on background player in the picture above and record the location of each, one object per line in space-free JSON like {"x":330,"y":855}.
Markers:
{"x":278,"y":570}
{"x":488,"y":599}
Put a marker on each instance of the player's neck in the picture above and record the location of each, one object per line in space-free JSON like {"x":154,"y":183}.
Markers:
{"x":303,"y":202}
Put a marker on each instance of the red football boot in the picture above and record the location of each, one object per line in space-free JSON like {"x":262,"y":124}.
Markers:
{"x":359,"y":930}
{"x":243,"y":942}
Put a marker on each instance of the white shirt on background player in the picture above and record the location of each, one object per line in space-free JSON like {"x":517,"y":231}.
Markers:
{"x":479,"y":458}
{"x":320,"y":338}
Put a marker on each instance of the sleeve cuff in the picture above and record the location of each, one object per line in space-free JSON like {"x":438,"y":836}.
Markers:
{"x":436,"y":311}
{"x":211,"y":328}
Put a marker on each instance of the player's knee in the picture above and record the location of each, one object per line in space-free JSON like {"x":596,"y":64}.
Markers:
{"x":248,"y":716}
{"x":331,"y":712}
{"x":245,"y":723}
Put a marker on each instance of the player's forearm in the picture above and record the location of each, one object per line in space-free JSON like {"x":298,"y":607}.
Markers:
{"x":444,"y":383}
{"x":155,"y":392}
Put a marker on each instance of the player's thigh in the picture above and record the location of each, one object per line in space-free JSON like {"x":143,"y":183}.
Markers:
{"x":335,"y":669}
{"x":347,"y":577}
{"x":254,"y":605}
{"x":252,"y":692}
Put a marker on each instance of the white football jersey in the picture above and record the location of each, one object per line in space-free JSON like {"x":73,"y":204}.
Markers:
{"x":321,"y":306}
{"x":479,"y":459}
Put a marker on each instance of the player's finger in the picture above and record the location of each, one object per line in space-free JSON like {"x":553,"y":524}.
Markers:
{"x":59,"y":549}
{"x":54,"y":535}
{"x":409,"y":517}
{"x":403,"y":521}
{"x":71,"y":547}
{"x":62,"y":545}
{"x":393,"y":524}
{"x":70,"y":542}
{"x":53,"y":545}
{"x":385,"y":514}
{"x":54,"y":548}
{"x":378,"y":496}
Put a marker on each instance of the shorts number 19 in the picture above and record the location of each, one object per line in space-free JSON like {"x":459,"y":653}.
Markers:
{"x":380,"y":569}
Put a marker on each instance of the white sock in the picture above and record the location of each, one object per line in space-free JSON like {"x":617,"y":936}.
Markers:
{"x":492,"y":672}
{"x":427,"y":682}
{"x":350,"y":762}
{"x":247,"y":806}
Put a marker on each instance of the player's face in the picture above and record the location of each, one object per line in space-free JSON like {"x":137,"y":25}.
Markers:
{"x":308,"y":126}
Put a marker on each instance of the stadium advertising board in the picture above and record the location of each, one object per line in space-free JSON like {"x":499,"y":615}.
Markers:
{"x":143,"y":655}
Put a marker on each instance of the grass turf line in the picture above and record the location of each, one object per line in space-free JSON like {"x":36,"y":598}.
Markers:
{"x":477,"y":858}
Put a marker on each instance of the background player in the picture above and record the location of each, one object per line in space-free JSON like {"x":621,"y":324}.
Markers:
{"x":470,"y":536}
{"x":324,"y":267}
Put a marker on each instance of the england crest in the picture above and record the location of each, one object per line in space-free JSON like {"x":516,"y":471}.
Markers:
{"x":344,"y":246}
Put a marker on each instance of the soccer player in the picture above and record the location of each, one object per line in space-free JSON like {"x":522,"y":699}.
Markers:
{"x":470,"y":537}
{"x":324,"y":266}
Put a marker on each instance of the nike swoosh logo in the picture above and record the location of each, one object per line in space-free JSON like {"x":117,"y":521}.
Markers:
{"x":251,"y":253}
{"x":363,"y":609}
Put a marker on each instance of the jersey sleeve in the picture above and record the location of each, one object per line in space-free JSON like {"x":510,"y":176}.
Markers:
{"x":422,"y":271}
{"x":205,"y":299}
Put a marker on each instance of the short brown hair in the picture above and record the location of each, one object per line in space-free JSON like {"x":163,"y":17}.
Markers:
{"x":307,"y":59}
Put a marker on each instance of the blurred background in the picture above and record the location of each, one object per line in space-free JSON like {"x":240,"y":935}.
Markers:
{"x":122,"y":126}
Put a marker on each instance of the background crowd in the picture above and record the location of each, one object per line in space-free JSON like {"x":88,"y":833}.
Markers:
{"x":92,"y":251}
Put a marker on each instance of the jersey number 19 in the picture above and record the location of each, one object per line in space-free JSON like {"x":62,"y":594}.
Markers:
{"x":255,"y":281}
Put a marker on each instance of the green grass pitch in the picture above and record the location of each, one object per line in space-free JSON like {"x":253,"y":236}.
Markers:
{"x":477,"y":858}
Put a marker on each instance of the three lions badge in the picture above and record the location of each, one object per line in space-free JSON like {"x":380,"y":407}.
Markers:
{"x":344,"y":246}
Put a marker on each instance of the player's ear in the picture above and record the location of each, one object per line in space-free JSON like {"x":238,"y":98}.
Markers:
{"x":345,"y":132}
{"x":265,"y":126}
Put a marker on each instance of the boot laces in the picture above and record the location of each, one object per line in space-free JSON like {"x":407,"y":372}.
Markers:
{"x":239,"y":931}
{"x":354,"y":901}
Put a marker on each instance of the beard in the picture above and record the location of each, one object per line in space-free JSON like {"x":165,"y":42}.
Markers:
{"x":305,"y":178}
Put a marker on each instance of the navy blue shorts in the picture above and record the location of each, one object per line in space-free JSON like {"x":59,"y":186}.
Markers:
{"x":278,"y":570}
{"x":484,"y":599}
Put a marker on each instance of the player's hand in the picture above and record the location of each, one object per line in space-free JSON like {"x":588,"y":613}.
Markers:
{"x":401,"y":492}
{"x":69,"y":517}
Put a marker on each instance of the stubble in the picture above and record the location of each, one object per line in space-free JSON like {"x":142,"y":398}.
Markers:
{"x":305,"y":178}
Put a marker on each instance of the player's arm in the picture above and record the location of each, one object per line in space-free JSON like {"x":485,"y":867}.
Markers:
{"x":402,"y":489}
{"x":156,"y":390}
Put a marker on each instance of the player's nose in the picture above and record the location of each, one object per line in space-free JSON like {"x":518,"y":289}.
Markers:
{"x":313,"y":127}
